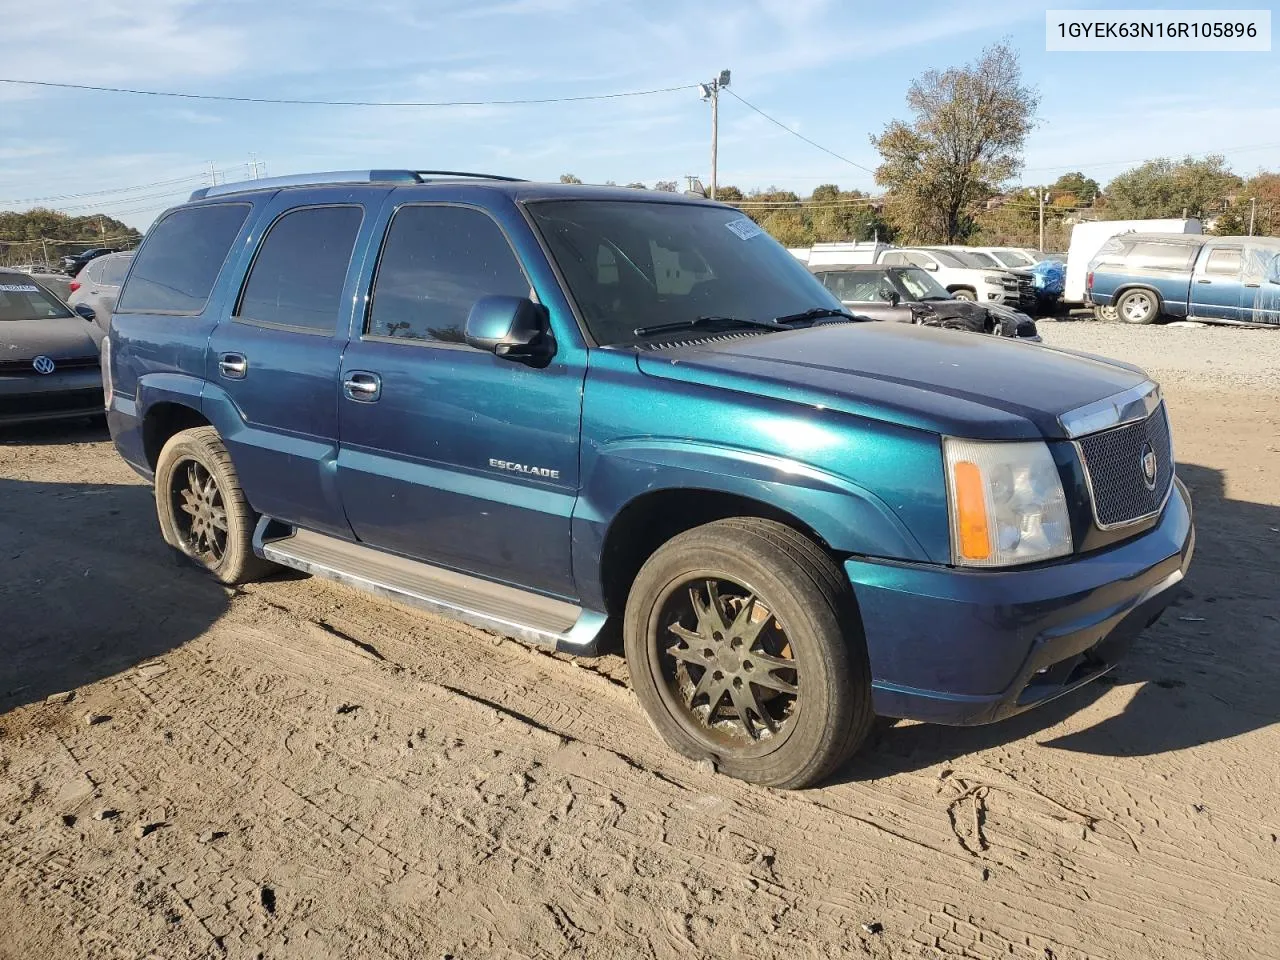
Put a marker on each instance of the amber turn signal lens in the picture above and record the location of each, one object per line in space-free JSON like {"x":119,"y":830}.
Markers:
{"x":971,"y":512}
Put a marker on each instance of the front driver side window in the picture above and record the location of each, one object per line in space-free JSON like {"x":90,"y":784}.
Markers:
{"x":436,"y":263}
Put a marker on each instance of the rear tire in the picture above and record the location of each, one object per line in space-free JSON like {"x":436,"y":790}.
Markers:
{"x":203,"y":512}
{"x":1138,"y":306}
{"x":745,"y":648}
{"x":1105,"y":314}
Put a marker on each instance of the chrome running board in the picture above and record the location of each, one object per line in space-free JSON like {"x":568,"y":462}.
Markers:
{"x":510,"y":611}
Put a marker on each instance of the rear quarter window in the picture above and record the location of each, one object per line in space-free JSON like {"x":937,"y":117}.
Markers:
{"x":179,"y":262}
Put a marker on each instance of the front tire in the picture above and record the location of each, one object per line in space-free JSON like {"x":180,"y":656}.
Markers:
{"x":203,"y":512}
{"x":745,"y":648}
{"x":1138,"y":306}
{"x":964,"y":293}
{"x":1105,"y":314}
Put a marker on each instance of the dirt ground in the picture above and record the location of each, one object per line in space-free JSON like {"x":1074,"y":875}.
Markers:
{"x":295,"y":770}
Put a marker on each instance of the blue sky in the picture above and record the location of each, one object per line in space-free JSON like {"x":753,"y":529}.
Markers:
{"x":833,"y":70}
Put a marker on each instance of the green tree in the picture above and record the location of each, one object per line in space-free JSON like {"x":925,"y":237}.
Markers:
{"x":26,"y":236}
{"x":1168,"y":188}
{"x":665,"y":186}
{"x":1260,"y":197}
{"x":729,"y":194}
{"x":963,"y":142}
{"x":1075,"y":189}
{"x":637,"y":185}
{"x":569,"y":178}
{"x":1229,"y":224}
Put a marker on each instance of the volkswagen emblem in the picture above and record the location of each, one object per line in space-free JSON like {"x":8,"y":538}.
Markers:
{"x":1149,"y":467}
{"x":43,"y":364}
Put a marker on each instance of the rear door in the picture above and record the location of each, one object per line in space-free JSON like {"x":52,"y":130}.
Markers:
{"x":451,"y":454}
{"x":275,"y":359}
{"x":1217,"y":290}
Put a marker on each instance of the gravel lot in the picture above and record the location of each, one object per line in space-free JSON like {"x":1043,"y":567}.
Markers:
{"x":1195,"y":358}
{"x":293,"y":769}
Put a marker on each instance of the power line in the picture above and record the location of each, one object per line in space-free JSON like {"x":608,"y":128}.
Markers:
{"x":524,"y":101}
{"x":812,"y":143}
{"x":113,"y":190}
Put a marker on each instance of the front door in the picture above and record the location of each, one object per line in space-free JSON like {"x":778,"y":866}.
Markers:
{"x":276,"y":359}
{"x":1216,"y":287}
{"x":449,"y":453}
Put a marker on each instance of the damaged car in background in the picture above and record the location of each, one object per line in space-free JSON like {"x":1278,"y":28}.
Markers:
{"x":909,"y":295}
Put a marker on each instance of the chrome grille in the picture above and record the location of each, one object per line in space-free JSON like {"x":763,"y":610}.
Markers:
{"x":1113,"y":463}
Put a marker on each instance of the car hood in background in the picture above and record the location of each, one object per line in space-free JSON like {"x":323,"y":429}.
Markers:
{"x":944,"y":381}
{"x":65,"y":338}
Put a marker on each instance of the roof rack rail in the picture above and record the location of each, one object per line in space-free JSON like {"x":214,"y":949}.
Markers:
{"x":339,"y":176}
{"x":428,"y":174}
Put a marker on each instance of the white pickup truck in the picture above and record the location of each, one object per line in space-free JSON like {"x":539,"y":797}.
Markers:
{"x":961,"y":280}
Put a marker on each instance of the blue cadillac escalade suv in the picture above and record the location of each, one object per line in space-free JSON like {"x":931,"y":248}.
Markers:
{"x":540,"y":408}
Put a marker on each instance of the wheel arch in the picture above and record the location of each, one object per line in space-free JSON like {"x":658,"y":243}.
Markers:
{"x":1133,"y":285}
{"x":162,"y":420}
{"x":652,"y":518}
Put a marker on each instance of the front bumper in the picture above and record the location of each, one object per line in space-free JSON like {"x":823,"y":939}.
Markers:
{"x":965,"y":647}
{"x":59,"y":396}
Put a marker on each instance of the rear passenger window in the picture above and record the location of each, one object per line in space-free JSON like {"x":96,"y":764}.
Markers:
{"x":180,"y":260}
{"x":1225,"y":261}
{"x":297,"y":278}
{"x":114,"y":270}
{"x":437,"y":262}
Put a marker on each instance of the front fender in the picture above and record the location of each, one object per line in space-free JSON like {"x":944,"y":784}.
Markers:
{"x":848,"y":517}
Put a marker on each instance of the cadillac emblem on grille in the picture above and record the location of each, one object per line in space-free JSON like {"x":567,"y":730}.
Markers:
{"x":1149,"y":466}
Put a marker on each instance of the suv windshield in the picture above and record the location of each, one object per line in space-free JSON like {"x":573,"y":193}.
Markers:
{"x":921,"y":286}
{"x":972,"y":258}
{"x":20,"y":299}
{"x":632,"y":264}
{"x":1012,"y":258}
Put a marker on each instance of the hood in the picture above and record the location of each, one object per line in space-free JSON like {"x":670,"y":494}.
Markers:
{"x":943,"y":381}
{"x":63,"y":338}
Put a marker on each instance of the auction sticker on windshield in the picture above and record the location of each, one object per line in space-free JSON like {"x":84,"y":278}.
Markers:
{"x":18,"y":288}
{"x":744,"y":228}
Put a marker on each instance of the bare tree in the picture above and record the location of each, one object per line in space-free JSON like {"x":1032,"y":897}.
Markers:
{"x":964,"y":140}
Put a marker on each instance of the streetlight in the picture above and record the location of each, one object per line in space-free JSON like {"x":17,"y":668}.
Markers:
{"x":711,"y":91}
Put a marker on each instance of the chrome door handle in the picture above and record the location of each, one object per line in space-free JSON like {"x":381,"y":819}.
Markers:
{"x":233,"y":366}
{"x":361,"y":386}
{"x":1204,"y":281}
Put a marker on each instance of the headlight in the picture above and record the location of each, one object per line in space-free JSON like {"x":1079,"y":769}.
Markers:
{"x":998,"y":281}
{"x":1006,"y":503}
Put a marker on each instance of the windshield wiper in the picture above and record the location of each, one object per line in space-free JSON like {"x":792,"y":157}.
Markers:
{"x":701,"y":322}
{"x":817,"y":313}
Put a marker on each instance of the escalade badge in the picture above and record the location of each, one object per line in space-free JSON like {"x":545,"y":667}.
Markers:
{"x":43,"y":364}
{"x":527,"y":470}
{"x":1148,"y":466}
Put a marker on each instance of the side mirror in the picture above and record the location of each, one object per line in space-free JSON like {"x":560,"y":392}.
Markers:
{"x":86,"y":311}
{"x":895,"y":298}
{"x":514,"y":328}
{"x":931,"y":266}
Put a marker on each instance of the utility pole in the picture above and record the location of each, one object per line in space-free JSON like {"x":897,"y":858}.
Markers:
{"x":213,"y":174}
{"x":1253,"y":209}
{"x":1041,"y":197}
{"x":711,"y":91}
{"x":44,"y":245}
